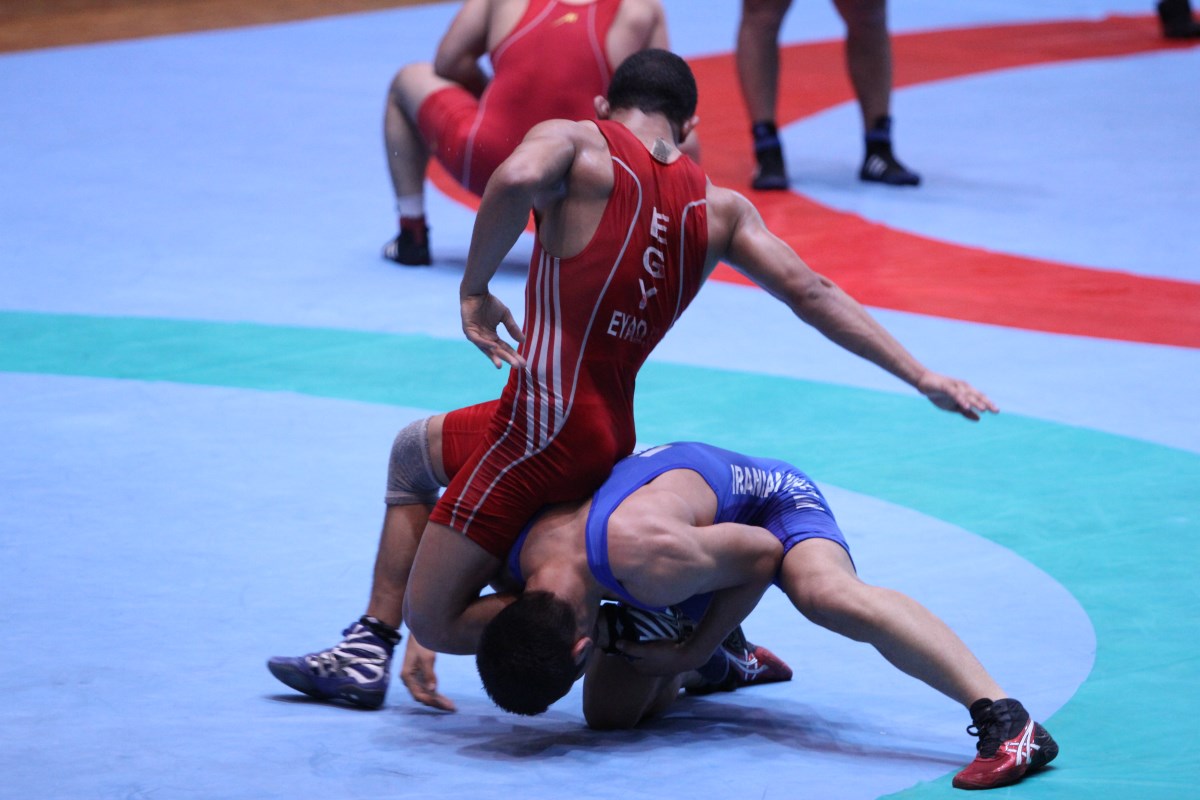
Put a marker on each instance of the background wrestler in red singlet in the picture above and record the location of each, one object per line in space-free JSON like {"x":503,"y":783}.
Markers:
{"x":549,"y":59}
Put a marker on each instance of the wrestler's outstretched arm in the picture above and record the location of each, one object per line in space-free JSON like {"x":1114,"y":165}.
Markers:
{"x":737,"y":234}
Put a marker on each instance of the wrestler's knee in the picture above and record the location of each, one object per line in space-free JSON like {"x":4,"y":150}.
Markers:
{"x":831,"y":598}
{"x":411,"y":476}
{"x":863,"y":16}
{"x":410,"y":82}
{"x":764,"y":15}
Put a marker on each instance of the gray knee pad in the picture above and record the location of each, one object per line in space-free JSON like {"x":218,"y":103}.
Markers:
{"x":410,"y":478}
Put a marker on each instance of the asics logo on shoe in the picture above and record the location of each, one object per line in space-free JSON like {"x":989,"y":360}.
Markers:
{"x":747,"y":664}
{"x":1022,"y":746}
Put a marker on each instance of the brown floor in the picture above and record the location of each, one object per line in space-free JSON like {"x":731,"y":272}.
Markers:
{"x":31,"y":24}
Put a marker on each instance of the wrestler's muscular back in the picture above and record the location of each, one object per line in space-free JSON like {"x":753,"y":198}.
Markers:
{"x":569,"y":221}
{"x":639,"y":24}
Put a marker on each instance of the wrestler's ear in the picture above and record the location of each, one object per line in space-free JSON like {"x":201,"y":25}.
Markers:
{"x":603,"y":109}
{"x":687,"y":127}
{"x":580,"y":654}
{"x":582,"y":648}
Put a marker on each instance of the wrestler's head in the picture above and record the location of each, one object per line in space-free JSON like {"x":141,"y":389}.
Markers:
{"x":530,"y":654}
{"x":655,"y":82}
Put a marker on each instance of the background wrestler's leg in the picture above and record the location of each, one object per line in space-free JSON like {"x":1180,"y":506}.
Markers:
{"x":757,"y":59}
{"x":407,"y":158}
{"x":868,"y":56}
{"x":407,"y":153}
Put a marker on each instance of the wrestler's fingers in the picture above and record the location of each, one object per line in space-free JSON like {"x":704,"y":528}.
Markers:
{"x":971,"y":401}
{"x":514,"y":330}
{"x":982,"y":402}
{"x":507,"y":355}
{"x":488,"y":343}
{"x":426,"y":693}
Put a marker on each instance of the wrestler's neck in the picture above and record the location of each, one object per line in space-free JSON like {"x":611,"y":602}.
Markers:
{"x":653,"y":130}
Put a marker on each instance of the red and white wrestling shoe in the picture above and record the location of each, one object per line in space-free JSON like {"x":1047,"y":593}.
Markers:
{"x":1011,"y":745}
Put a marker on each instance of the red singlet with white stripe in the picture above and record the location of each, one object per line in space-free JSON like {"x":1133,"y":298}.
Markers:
{"x":590,"y":322}
{"x":551,"y":66}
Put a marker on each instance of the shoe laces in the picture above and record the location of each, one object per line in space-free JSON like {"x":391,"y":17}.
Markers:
{"x":988,"y":732}
{"x":358,"y":648}
{"x":993,"y":726}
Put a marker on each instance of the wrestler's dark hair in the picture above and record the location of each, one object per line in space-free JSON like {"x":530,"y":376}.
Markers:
{"x":656,"y":82}
{"x":524,"y":656}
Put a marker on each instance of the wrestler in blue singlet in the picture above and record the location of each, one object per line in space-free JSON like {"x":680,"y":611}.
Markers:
{"x":769,"y":493}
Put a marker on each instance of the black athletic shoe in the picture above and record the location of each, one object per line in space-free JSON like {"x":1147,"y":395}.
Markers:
{"x":1177,"y":20}
{"x":880,"y":164}
{"x":1010,"y":746}
{"x":770,"y":174}
{"x":411,"y":245}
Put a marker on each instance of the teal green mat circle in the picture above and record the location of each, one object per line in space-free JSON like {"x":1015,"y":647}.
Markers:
{"x":1114,"y":520}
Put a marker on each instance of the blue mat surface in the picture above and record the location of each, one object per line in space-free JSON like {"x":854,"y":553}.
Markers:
{"x":203,"y":361}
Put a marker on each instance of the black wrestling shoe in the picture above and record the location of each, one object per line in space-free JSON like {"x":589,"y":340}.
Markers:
{"x":1177,"y":20}
{"x":411,"y":245}
{"x":770,"y":174}
{"x":880,"y":164}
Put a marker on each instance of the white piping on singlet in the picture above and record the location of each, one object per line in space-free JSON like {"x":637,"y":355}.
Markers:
{"x":547,"y":312}
{"x":682,"y":259}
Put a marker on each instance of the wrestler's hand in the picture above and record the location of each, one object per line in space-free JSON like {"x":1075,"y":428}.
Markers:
{"x":417,"y":674}
{"x":659,"y":658}
{"x":482,"y":315}
{"x":951,"y":394}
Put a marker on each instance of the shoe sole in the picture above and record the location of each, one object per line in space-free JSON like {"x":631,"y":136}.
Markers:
{"x":300,"y":681}
{"x":769,"y":185}
{"x":886,"y":182}
{"x":426,"y":263}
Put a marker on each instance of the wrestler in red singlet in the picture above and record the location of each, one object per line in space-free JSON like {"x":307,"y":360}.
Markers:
{"x":590,"y":322}
{"x":532,"y":83}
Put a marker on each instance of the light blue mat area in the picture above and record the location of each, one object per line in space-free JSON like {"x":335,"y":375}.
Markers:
{"x":203,"y":361}
{"x":198,"y":530}
{"x":1007,"y":169}
{"x":186,"y":534}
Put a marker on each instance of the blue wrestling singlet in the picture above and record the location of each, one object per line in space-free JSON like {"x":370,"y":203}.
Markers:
{"x":769,"y":493}
{"x":766,"y":492}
